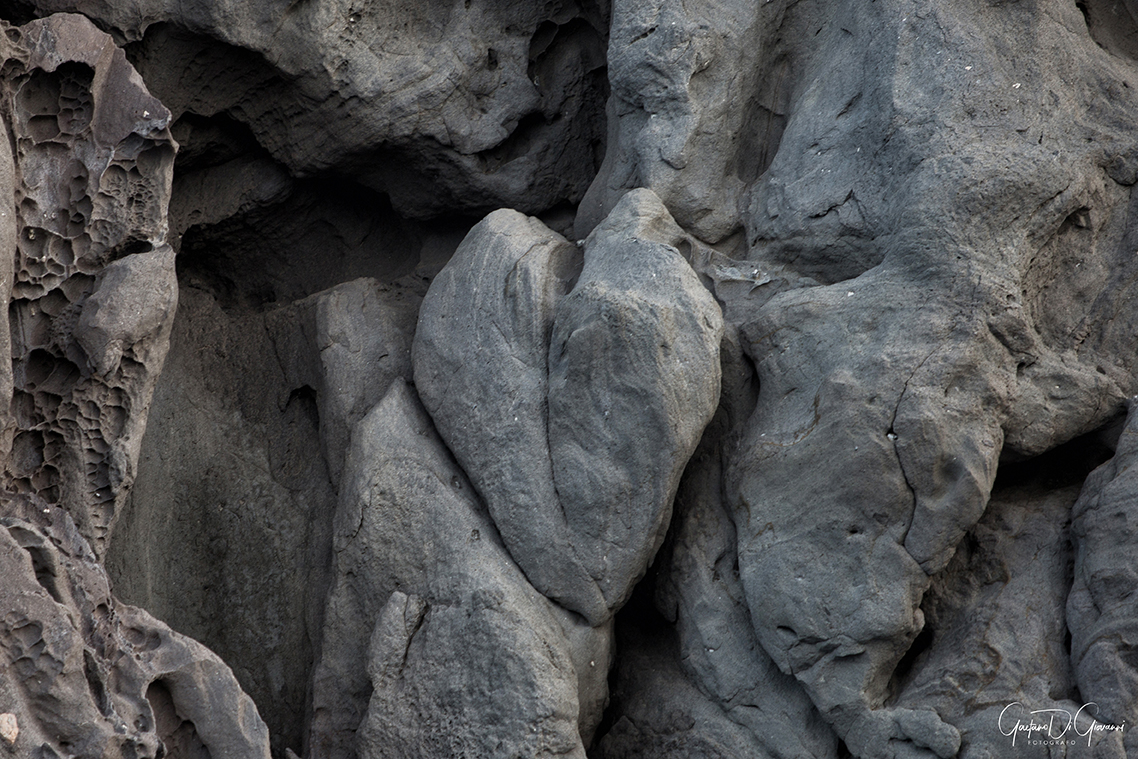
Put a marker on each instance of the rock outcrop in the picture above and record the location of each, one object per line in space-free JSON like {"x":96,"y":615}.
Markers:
{"x":1100,"y":618}
{"x":449,"y":105}
{"x":87,"y":676}
{"x":87,"y":166}
{"x":93,"y":290}
{"x":546,"y":393}
{"x":434,"y":642}
{"x":583,"y":378}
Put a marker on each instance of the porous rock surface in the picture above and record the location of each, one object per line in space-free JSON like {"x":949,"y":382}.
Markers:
{"x":87,"y":164}
{"x":581,"y":378}
{"x":87,"y":676}
{"x":93,"y":285}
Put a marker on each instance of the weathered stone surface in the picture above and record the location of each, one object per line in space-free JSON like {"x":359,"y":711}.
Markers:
{"x":229,"y":483}
{"x":465,"y":657}
{"x":237,"y":485}
{"x":445,"y":105}
{"x":133,"y":301}
{"x":916,"y":220}
{"x":663,"y":715}
{"x":697,"y":99}
{"x":304,"y":238}
{"x":93,"y":292}
{"x":363,"y":333}
{"x":1013,"y":656}
{"x":634,"y":356}
{"x":545,"y":394}
{"x":10,"y":233}
{"x":84,"y":675}
{"x":995,"y":649}
{"x":481,"y":366}
{"x":698,"y":589}
{"x":801,"y":527}
{"x":92,"y":297}
{"x":216,"y":193}
{"x":1100,"y":613}
{"x":927,"y":342}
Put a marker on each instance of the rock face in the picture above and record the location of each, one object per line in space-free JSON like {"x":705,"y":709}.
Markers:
{"x":546,"y":393}
{"x":92,"y":295}
{"x":493,"y":101}
{"x":996,"y":626}
{"x":884,"y":369}
{"x":255,"y":524}
{"x":93,"y":288}
{"x":393,"y":679}
{"x":581,"y":378}
{"x":87,"y":676}
{"x":1101,"y":621}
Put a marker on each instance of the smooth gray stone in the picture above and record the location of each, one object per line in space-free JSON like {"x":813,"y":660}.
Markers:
{"x":434,"y":642}
{"x":634,"y":357}
{"x":480,"y":361}
{"x":546,"y":394}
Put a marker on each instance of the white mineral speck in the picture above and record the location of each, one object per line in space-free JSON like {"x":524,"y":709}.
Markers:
{"x":9,"y":728}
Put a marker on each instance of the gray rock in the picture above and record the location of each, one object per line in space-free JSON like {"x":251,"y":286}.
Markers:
{"x":93,"y":291}
{"x":634,"y":356}
{"x":128,"y":311}
{"x":545,"y":397}
{"x":698,"y":589}
{"x":84,"y":675}
{"x":10,"y":230}
{"x":593,"y":651}
{"x":363,"y":334}
{"x":933,"y":342}
{"x":465,"y":657}
{"x":802,"y":525}
{"x":1099,"y":613}
{"x":489,"y":696}
{"x":231,"y":484}
{"x":917,"y":221}
{"x":216,"y":193}
{"x":662,"y":715}
{"x":238,"y":523}
{"x":995,"y":650}
{"x":449,"y":105}
{"x":695,"y":95}
{"x":481,"y":366}
{"x":293,"y":239}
